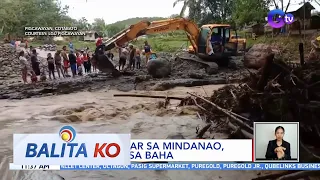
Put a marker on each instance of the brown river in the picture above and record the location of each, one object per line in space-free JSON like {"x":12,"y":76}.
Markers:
{"x":100,"y":112}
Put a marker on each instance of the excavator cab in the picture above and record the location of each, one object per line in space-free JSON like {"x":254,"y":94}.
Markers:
{"x":218,"y":35}
{"x":214,"y":44}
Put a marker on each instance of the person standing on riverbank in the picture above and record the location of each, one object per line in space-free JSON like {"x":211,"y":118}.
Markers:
{"x":73,"y":63}
{"x":86,"y":62}
{"x":26,"y":44}
{"x":89,"y":62}
{"x":138,"y":59}
{"x":123,"y":58}
{"x":51,"y":66}
{"x":65,"y":60}
{"x":132,"y":57}
{"x":16,"y":45}
{"x":99,"y":41}
{"x":71,"y":46}
{"x":23,"y":67}
{"x":93,"y":63}
{"x":147,"y":51}
{"x":35,"y":63}
{"x":79,"y":61}
{"x":58,"y":63}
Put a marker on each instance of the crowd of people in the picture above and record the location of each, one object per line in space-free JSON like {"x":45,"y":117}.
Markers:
{"x":78,"y":63}
{"x":133,"y":56}
{"x":60,"y":62}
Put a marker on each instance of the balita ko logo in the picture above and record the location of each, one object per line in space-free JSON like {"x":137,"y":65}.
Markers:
{"x":69,"y":148}
{"x":277,"y":18}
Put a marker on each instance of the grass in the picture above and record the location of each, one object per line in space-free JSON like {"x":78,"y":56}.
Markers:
{"x":175,"y":41}
{"x":60,"y":44}
{"x":287,"y":46}
{"x":164,"y":43}
{"x":158,"y":43}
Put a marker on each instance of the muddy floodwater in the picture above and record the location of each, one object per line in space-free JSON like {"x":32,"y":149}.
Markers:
{"x":100,"y":112}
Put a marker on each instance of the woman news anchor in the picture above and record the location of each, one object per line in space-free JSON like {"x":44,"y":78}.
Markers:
{"x":278,"y":149}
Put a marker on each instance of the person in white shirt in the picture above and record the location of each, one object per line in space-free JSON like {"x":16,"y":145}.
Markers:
{"x":123,"y":56}
{"x":17,"y":45}
{"x":23,"y":66}
{"x":210,"y":49}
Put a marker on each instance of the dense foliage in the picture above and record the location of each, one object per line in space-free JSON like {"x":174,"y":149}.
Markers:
{"x":239,"y":12}
{"x":17,"y":14}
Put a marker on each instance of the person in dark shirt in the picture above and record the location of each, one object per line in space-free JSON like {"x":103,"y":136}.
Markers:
{"x":89,"y":63}
{"x":35,"y":63}
{"x":132,"y":57}
{"x":216,"y":42}
{"x":51,"y":66}
{"x":110,"y":55}
{"x":73,"y":63}
{"x":147,"y":51}
{"x":278,"y":149}
{"x":215,"y":38}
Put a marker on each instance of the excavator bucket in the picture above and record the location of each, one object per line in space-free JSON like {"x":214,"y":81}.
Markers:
{"x":103,"y":62}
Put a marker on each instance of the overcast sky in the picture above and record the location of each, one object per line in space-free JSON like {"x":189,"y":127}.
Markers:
{"x":117,"y":10}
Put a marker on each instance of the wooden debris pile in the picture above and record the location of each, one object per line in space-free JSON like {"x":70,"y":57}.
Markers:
{"x":276,"y":93}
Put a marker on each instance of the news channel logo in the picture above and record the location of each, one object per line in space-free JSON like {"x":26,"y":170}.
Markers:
{"x":277,"y":18}
{"x":67,"y":133}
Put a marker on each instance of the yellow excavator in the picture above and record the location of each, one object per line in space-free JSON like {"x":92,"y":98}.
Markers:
{"x":211,"y":44}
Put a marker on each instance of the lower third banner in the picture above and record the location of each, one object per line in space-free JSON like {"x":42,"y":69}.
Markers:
{"x":176,"y":166}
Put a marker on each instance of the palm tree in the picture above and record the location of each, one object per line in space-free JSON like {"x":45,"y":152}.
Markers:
{"x":184,"y":7}
{"x":317,"y":1}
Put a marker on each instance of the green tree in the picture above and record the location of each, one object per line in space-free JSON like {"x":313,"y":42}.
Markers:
{"x":100,"y":26}
{"x":257,"y":13}
{"x":17,"y":14}
{"x":208,"y":11}
{"x":112,"y":30}
{"x":186,"y":4}
{"x":83,"y":24}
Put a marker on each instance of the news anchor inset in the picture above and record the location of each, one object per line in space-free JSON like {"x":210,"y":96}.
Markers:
{"x":278,"y":149}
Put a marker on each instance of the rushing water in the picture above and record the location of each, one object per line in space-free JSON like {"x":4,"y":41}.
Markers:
{"x":100,"y":112}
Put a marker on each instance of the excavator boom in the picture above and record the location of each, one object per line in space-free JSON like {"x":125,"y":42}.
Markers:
{"x":155,"y":27}
{"x":170,"y":25}
{"x":127,"y":35}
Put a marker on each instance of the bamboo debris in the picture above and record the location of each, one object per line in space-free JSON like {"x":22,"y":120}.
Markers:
{"x":228,"y":113}
{"x":147,"y":96}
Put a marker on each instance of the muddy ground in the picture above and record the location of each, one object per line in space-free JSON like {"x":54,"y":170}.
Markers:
{"x":184,"y":73}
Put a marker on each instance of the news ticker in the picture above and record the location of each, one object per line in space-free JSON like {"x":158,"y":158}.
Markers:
{"x":175,"y":166}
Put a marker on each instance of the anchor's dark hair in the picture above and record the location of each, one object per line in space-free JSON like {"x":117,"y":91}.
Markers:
{"x":279,"y":127}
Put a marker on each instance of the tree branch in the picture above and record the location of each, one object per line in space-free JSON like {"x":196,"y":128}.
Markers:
{"x":275,"y":4}
{"x":287,"y":6}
